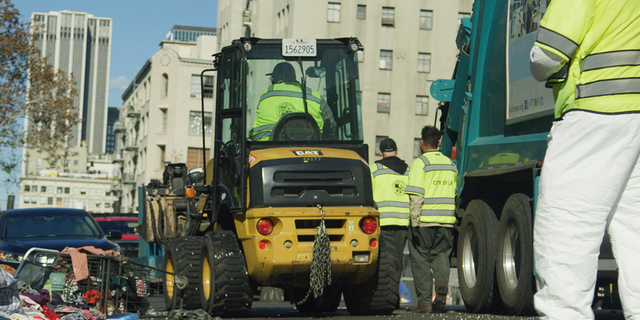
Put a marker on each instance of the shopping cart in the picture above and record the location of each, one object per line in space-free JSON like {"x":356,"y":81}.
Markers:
{"x":36,"y":266}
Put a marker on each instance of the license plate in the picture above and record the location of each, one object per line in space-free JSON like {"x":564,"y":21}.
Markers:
{"x":299,"y":47}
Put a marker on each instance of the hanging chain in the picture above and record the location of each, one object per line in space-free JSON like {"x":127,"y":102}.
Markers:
{"x":320,"y":275}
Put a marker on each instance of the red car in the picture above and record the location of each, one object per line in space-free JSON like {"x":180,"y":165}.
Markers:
{"x":129,"y":242}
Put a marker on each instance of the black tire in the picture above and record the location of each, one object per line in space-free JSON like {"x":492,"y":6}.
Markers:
{"x":224,"y":279}
{"x":379,"y":294}
{"x":514,"y":262}
{"x":182,"y":257}
{"x":476,"y":257}
{"x":330,"y":300}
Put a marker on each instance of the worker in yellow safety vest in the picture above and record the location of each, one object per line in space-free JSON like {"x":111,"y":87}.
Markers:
{"x":589,"y":52}
{"x":285,"y":96}
{"x":389,"y":177}
{"x":432,"y":190}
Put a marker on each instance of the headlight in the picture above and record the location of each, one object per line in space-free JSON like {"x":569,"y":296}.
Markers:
{"x":11,"y":257}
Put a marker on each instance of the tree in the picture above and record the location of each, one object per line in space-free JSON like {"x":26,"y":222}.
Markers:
{"x":31,"y":90}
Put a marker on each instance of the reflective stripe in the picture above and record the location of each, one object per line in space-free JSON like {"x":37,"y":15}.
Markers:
{"x":411,"y":189}
{"x":283,"y":93}
{"x":394,"y":215}
{"x":383,"y":171}
{"x":439,"y":201}
{"x":437,"y":213}
{"x":557,"y":41}
{"x":403,"y":222}
{"x":263,"y":128}
{"x":393,"y":204}
{"x":611,"y":59}
{"x":441,"y":167}
{"x":260,"y":135}
{"x":379,"y":166}
{"x":425,"y":160}
{"x":608,"y":87}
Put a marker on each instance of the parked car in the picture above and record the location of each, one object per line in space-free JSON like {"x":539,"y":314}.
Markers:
{"x":49,"y":228}
{"x":130,"y":239}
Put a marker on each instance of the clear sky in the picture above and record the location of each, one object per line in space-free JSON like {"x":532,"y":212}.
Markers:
{"x":138,"y":28}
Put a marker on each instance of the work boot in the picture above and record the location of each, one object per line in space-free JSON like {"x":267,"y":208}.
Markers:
{"x":421,"y":309}
{"x":441,"y":297}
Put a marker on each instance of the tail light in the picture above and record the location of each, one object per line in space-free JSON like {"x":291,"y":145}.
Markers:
{"x":368,"y":225}
{"x":190,"y":192}
{"x":264,"y":226}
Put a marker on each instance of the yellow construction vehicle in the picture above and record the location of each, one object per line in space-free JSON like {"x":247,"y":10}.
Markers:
{"x":286,"y":203}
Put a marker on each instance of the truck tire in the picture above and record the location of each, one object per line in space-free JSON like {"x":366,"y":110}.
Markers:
{"x":225,"y":282}
{"x":330,"y":300}
{"x":182,"y":257}
{"x":514,"y":263}
{"x":379,"y":294}
{"x":476,"y":257}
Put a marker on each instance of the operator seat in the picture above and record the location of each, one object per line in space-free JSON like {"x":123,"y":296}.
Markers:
{"x":296,"y":126}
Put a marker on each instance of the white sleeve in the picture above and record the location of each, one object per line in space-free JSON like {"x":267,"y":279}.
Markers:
{"x":544,"y":64}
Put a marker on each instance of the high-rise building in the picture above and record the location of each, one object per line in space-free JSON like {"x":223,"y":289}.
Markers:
{"x":113,"y":115}
{"x":189,"y":33}
{"x":79,"y":43}
{"x":407,"y":45}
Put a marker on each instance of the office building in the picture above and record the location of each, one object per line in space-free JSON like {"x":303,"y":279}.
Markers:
{"x":112,"y":116}
{"x":408,"y":45}
{"x":189,"y":33}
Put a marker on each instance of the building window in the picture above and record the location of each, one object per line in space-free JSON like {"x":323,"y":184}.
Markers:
{"x":165,"y":119}
{"x":65,"y":201}
{"x":76,"y":191}
{"x":27,"y":188}
{"x":377,"y":146}
{"x":417,"y":152}
{"x":92,"y":192}
{"x":39,"y":161}
{"x":424,"y":62}
{"x":98,"y":203}
{"x":59,"y":190}
{"x":162,"y":156}
{"x":165,"y":85}
{"x":26,"y":199}
{"x":50,"y":201}
{"x":34,"y":199}
{"x":426,"y":19}
{"x":194,"y":157}
{"x":386,"y":59}
{"x":195,"y":86}
{"x":195,"y":122}
{"x":362,"y":11}
{"x":333,"y":12}
{"x":422,"y":105}
{"x":108,"y":193}
{"x":83,"y":191}
{"x":66,"y":190}
{"x":43,"y":200}
{"x":58,"y":201}
{"x":384,"y":102}
{"x":43,"y":189}
{"x":98,"y":192}
{"x":107,"y":204}
{"x":34,"y":188}
{"x":388,"y":16}
{"x":463,"y":15}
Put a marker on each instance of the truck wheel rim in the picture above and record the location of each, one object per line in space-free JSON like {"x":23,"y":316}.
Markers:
{"x":469,"y":256}
{"x":169,"y":278}
{"x":510,"y":256}
{"x":206,"y":277}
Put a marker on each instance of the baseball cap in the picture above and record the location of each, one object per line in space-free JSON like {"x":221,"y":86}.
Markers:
{"x":388,"y":145}
{"x":283,"y":71}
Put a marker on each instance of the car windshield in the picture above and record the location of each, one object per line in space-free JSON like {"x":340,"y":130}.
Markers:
{"x":122,"y":226}
{"x":274,"y":89}
{"x":18,"y":227}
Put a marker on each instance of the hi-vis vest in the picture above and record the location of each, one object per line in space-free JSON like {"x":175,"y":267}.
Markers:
{"x":599,"y":41}
{"x":388,"y":193}
{"x":434,"y":177}
{"x":278,"y":100}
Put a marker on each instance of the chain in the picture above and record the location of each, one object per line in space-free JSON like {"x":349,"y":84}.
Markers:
{"x":320,"y":275}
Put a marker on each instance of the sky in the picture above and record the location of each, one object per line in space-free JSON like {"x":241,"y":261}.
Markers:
{"x":138,"y":28}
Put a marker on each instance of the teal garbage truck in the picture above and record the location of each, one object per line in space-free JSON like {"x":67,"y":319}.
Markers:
{"x":495,"y":120}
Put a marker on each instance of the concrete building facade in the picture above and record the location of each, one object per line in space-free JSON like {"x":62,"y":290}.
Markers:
{"x":408,"y":45}
{"x":79,"y":43}
{"x":161,"y":117}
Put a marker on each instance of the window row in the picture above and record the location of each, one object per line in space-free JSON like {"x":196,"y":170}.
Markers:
{"x":388,"y":15}
{"x":386,"y":61}
{"x":66,"y":190}
{"x":384,"y":104}
{"x":49,"y":201}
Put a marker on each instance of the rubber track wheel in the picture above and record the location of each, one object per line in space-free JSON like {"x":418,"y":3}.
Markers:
{"x":229,"y":292}
{"x":379,"y":294}
{"x":514,"y":263}
{"x":477,"y":259}
{"x":186,"y":262}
